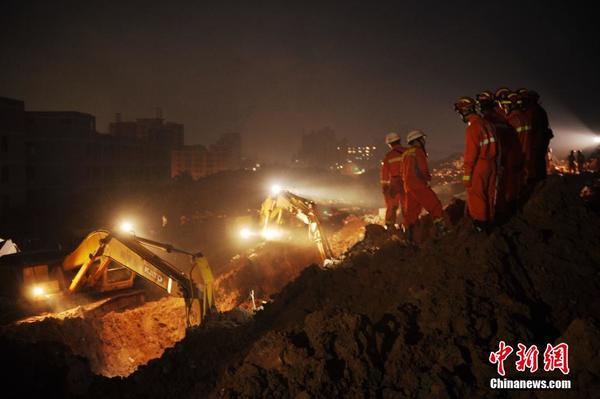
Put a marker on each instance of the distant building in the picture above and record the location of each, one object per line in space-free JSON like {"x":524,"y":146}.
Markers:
{"x":322,"y":149}
{"x":319,"y":149}
{"x":198,"y":161}
{"x":358,"y":159}
{"x":49,"y":158}
{"x":191,"y":160}
{"x":160,"y":138}
{"x":225,"y":153}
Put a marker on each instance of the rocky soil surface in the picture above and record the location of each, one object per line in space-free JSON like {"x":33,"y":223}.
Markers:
{"x":392,"y":321}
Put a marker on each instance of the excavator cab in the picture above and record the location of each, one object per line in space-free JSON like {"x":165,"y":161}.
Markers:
{"x":109,"y":261}
{"x":106,"y":262}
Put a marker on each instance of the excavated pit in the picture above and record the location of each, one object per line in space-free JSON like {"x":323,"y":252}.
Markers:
{"x":266,"y":269}
{"x":117,"y":336}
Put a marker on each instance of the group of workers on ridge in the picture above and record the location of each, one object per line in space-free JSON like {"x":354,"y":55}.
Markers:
{"x":405,"y":181}
{"x":506,"y":145}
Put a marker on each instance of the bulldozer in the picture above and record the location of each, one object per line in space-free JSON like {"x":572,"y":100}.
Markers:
{"x":108,"y":262}
{"x":280,"y":202}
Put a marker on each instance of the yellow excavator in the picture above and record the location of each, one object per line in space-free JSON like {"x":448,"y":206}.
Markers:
{"x":107,"y":261}
{"x":305,"y":210}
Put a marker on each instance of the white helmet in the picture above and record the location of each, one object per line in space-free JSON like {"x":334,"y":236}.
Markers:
{"x":391,"y":137}
{"x":415,"y":134}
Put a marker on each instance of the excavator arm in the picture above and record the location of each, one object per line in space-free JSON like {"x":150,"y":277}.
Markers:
{"x":102,"y":248}
{"x":303,"y":209}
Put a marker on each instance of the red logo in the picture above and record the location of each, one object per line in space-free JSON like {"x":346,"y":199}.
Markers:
{"x":528,"y":358}
{"x":500,"y":356}
{"x":555,"y":357}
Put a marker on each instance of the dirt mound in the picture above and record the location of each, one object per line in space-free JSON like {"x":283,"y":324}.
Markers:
{"x":114,"y":342}
{"x":421,"y":323}
{"x":407,"y":322}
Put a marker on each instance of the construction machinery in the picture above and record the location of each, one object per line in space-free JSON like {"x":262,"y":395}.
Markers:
{"x":305,"y":210}
{"x":108,"y":262}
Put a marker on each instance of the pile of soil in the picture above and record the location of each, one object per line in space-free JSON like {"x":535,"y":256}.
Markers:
{"x":115,"y":343}
{"x":397,"y":321}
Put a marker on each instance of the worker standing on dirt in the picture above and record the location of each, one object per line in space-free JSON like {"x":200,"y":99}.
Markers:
{"x":416,"y":177}
{"x":520,"y":122}
{"x":580,"y":161}
{"x":510,"y":157}
{"x":541,"y":133}
{"x":391,"y":180}
{"x":480,"y":164}
{"x":571,"y":161}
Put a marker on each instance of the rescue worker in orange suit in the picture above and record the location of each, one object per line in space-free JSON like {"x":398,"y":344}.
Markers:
{"x":391,"y":180}
{"x":541,"y":133}
{"x":521,"y":123}
{"x":514,"y":179}
{"x":480,"y":164}
{"x":510,"y":159}
{"x":416,"y":177}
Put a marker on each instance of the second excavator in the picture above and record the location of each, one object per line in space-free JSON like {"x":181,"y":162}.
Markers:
{"x":282,"y":201}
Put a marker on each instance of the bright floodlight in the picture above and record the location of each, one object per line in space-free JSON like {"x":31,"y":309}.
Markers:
{"x":270,"y":234}
{"x":597,"y":139}
{"x":245,"y":233}
{"x":275,"y":189}
{"x":126,"y":226}
{"x":37,"y":291}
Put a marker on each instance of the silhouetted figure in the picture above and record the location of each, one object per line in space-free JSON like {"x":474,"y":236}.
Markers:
{"x":512,"y":158}
{"x":571,"y":160}
{"x":580,"y":161}
{"x":549,"y":162}
{"x":541,"y":134}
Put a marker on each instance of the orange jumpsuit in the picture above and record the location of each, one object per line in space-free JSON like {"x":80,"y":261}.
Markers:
{"x":480,"y":168}
{"x":391,"y":179}
{"x":511,"y":159}
{"x":542,"y":134}
{"x":519,"y":121}
{"x":419,"y":195}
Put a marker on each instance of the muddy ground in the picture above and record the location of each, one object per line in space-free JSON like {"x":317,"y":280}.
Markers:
{"x":391,"y":321}
{"x":117,"y":336}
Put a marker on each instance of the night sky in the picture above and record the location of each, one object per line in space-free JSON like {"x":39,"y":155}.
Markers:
{"x":272,"y":70}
